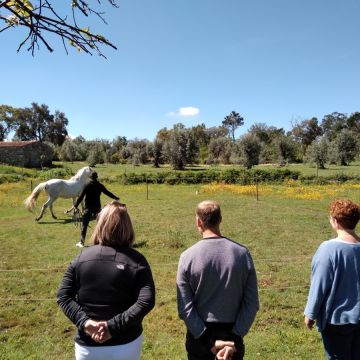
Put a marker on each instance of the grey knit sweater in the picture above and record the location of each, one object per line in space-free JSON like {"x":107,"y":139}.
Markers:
{"x":216,"y":282}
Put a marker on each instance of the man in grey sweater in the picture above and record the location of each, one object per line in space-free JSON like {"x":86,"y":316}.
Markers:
{"x":217,"y":291}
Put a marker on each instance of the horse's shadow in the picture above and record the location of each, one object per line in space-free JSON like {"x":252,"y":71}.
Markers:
{"x":140,"y":244}
{"x":58,"y":221}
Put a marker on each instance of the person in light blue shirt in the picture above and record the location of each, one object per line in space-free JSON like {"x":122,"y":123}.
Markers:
{"x":334,"y":296}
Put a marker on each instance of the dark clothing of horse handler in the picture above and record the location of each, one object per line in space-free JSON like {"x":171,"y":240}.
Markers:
{"x":91,"y":192}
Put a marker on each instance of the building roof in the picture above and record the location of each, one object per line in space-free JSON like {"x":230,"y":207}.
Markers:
{"x":16,"y":143}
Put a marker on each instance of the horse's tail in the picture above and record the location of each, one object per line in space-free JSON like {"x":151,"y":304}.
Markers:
{"x":31,"y":200}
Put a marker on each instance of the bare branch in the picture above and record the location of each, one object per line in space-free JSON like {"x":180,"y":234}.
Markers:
{"x":24,"y":41}
{"x":44,"y":19}
{"x":5,"y":28}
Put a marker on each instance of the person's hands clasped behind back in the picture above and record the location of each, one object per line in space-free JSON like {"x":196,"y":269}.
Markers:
{"x":226,"y":353}
{"x":97,"y":330}
{"x":223,"y":350}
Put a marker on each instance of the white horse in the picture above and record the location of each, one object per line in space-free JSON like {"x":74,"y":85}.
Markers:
{"x":56,"y":188}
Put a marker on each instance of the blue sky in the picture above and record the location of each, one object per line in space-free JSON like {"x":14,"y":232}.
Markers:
{"x":273,"y":61}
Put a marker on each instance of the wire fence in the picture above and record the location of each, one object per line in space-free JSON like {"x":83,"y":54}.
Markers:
{"x":256,"y":182}
{"x":279,"y":288}
{"x":62,"y":268}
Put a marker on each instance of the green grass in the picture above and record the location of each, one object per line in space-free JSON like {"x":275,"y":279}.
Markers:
{"x":352,"y":169}
{"x":282,"y":235}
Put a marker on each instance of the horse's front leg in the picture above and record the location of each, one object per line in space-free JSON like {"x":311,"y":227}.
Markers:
{"x":72,"y":209}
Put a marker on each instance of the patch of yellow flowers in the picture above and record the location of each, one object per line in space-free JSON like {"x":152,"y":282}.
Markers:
{"x":13,"y":193}
{"x":291,"y":189}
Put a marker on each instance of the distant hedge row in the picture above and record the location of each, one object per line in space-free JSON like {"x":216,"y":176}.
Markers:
{"x":11,"y":178}
{"x":56,"y":173}
{"x":230,"y":176}
{"x":323,"y":180}
{"x":9,"y":174}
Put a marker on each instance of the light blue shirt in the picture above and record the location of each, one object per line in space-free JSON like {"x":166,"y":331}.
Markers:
{"x":334,"y":295}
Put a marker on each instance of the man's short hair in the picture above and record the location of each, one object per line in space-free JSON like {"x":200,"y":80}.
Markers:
{"x":209,"y":213}
{"x":94,"y":175}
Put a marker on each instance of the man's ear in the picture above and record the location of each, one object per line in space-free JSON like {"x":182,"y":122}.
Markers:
{"x":199,"y":223}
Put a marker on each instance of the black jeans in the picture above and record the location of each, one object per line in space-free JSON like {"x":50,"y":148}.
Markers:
{"x":342,"y":342}
{"x":88,"y":215}
{"x":196,"y":350}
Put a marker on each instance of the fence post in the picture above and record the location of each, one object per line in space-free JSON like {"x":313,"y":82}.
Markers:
{"x":147,"y":188}
{"x":257,"y":188}
{"x":31,"y":186}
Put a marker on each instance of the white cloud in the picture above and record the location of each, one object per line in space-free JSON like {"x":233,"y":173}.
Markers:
{"x":185,"y":111}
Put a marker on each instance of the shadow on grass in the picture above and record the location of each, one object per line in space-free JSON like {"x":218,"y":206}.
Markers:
{"x":140,"y":244}
{"x":58,"y":221}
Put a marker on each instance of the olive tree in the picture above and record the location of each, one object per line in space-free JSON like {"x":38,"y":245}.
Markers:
{"x":249,"y":147}
{"x":318,"y":153}
{"x":344,"y":148}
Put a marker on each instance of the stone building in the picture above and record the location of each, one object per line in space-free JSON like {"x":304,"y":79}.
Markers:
{"x":25,"y":153}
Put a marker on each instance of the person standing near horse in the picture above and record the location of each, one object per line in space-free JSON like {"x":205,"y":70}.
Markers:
{"x":91,"y":192}
{"x":217,"y":293}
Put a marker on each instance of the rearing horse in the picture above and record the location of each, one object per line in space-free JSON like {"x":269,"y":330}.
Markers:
{"x":56,"y":188}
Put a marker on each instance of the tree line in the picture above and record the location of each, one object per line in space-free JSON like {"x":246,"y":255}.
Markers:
{"x":33,"y":123}
{"x":333,"y":140}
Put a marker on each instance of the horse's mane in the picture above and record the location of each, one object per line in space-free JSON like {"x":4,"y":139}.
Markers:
{"x":79,"y":174}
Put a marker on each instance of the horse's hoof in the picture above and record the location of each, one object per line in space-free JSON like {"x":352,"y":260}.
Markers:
{"x":37,"y":219}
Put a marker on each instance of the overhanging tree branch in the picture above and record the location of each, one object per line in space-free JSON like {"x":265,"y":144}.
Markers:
{"x":44,"y":19}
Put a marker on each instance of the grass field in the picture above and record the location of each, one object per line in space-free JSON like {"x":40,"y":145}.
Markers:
{"x":282,"y":231}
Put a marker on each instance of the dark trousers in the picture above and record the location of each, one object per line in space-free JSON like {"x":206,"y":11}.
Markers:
{"x":196,"y":350}
{"x":342,"y":342}
{"x":88,"y":215}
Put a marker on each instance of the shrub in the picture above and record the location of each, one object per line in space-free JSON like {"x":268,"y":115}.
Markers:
{"x":11,"y":178}
{"x":58,"y":173}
